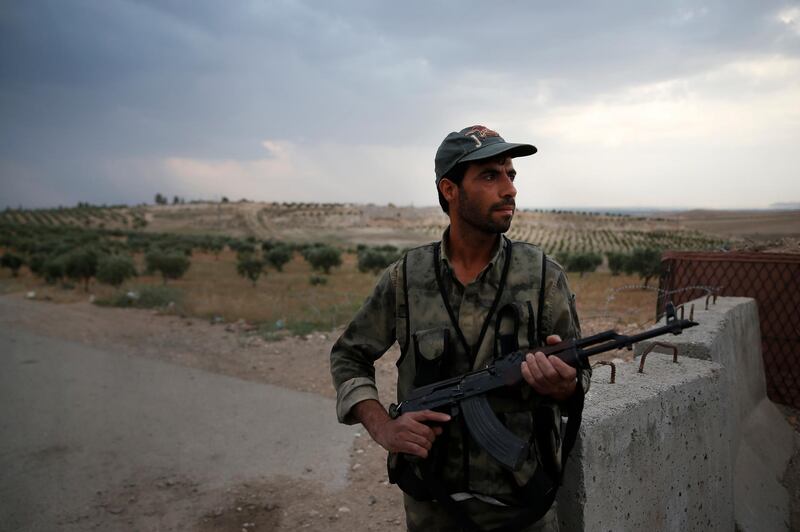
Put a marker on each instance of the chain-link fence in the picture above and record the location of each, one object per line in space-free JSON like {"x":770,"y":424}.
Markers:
{"x":772,"y":279}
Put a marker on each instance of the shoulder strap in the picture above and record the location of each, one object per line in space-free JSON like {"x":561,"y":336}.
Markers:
{"x":404,"y":347}
{"x":401,"y":309}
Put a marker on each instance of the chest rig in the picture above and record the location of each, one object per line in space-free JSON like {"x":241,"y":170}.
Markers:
{"x":434,"y":347}
{"x":430,"y":336}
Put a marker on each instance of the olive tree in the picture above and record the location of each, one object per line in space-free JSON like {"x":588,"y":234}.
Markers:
{"x":323,"y":257}
{"x":617,"y":262}
{"x":278,"y":256}
{"x":581,"y":262}
{"x":645,"y":262}
{"x":376,"y":260}
{"x":81,"y":265}
{"x":115,"y":269}
{"x":11,"y":261}
{"x":171,"y":265}
{"x":53,"y":269}
{"x":250,"y":266}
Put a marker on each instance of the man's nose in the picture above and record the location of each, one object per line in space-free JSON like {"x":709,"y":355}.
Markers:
{"x":508,"y":189}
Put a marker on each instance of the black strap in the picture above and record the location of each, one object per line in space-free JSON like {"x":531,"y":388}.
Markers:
{"x":539,"y":318}
{"x":575,"y":414}
{"x":471,"y":352}
{"x":507,"y":341}
{"x":445,"y":299}
{"x":532,"y":332}
{"x":405,"y":296}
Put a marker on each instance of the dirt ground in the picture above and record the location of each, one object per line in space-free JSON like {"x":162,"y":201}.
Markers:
{"x":367,"y":502}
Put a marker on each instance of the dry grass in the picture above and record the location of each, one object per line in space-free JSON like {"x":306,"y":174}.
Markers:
{"x":605,"y":301}
{"x":212,"y":287}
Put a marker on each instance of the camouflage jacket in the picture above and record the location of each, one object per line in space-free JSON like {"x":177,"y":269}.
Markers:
{"x":381,"y":321}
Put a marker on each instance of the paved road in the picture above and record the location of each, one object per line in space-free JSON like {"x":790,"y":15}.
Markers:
{"x":76,"y":420}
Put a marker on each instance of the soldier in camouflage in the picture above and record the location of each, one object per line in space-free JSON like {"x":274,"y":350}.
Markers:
{"x":446,"y":304}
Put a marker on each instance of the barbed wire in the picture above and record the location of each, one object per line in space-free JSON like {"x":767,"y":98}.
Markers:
{"x":629,"y":287}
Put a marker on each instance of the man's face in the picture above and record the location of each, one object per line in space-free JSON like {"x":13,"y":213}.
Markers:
{"x":486,"y":195}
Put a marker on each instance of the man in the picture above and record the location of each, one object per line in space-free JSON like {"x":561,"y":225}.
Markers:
{"x":454,"y":306}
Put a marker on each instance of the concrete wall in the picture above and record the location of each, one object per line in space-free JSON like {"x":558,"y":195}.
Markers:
{"x":688,"y":446}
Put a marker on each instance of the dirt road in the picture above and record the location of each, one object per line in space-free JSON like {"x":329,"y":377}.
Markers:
{"x":102,"y":430}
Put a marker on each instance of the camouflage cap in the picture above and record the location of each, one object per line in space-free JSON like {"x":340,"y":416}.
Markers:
{"x":473,"y":144}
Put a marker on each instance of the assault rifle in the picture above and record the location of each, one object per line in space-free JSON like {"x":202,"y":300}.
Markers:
{"x":467,"y":394}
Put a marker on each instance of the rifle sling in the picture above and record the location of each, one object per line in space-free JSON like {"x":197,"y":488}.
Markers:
{"x":538,"y":508}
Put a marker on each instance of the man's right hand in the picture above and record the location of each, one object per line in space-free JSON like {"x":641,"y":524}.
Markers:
{"x":407,"y":433}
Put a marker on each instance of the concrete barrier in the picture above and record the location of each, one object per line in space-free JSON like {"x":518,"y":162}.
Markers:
{"x":689,"y":446}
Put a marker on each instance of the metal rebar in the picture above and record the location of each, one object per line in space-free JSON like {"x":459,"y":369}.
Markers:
{"x":613,"y":369}
{"x":653,"y":346}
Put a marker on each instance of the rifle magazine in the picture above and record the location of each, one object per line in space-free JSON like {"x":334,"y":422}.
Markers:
{"x":507,"y":448}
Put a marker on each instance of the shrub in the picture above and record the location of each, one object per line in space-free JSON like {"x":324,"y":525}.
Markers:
{"x":267,"y":245}
{"x":53,"y":269}
{"x":115,"y":269}
{"x":249,"y":266}
{"x":171,"y":265}
{"x":616,"y":262}
{"x":376,"y":259}
{"x":645,"y":262}
{"x":323,"y":257}
{"x":583,"y":262}
{"x":215,"y":246}
{"x":316,"y":280}
{"x":241,"y":246}
{"x":278,"y":256}
{"x":81,"y":265}
{"x":36,"y":264}
{"x":11,"y":261}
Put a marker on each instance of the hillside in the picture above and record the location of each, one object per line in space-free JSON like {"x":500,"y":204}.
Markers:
{"x":347,"y":225}
{"x":757,"y":225}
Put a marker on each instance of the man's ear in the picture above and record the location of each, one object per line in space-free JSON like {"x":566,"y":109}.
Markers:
{"x":449,"y":190}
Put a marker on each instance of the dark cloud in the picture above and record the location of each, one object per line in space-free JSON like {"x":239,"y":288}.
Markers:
{"x":84,"y":82}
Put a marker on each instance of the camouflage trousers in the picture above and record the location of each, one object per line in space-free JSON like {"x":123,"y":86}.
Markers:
{"x":432,"y":517}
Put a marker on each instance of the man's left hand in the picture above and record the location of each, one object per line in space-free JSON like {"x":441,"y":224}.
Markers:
{"x":549,"y":376}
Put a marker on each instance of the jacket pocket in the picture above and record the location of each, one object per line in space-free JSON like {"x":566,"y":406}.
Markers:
{"x":430,"y":347}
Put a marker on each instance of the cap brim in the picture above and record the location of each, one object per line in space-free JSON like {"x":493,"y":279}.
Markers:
{"x":492,"y":150}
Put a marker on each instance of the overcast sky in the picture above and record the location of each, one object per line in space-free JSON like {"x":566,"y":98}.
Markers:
{"x":631,"y":103}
